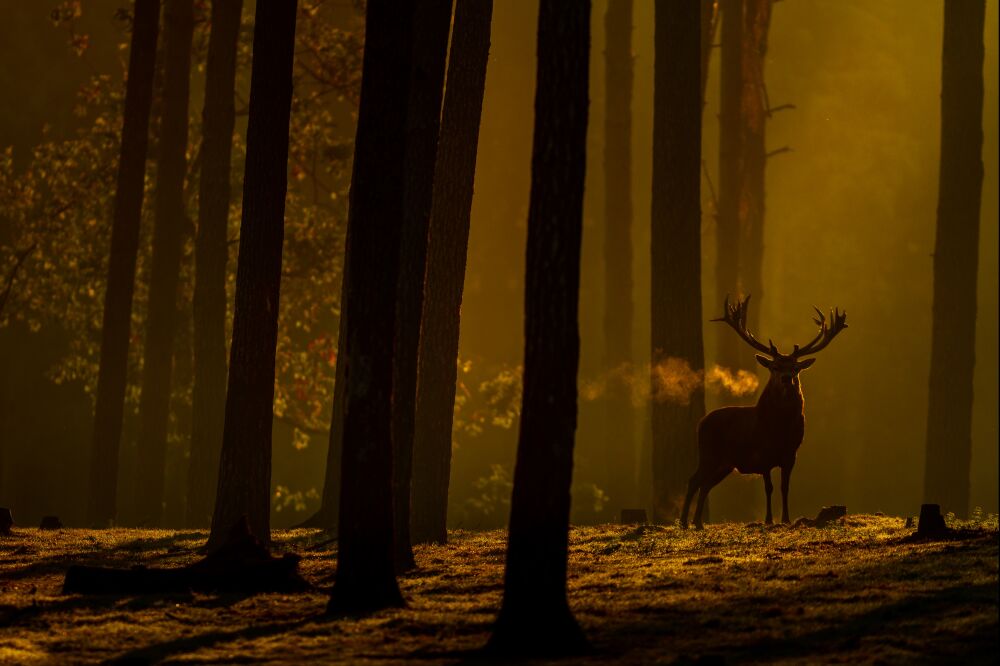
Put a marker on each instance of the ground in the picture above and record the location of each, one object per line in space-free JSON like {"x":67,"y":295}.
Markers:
{"x":853,"y":592}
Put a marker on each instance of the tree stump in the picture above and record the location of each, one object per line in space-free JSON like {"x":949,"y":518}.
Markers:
{"x":6,"y":521}
{"x":931,"y":522}
{"x":50,"y":523}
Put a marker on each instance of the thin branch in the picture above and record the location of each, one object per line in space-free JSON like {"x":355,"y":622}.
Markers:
{"x":299,"y":425}
{"x":780,"y":107}
{"x":783,"y":149}
{"x":711,"y":187}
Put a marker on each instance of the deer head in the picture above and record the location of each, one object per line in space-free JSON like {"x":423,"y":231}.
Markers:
{"x":784,"y":368}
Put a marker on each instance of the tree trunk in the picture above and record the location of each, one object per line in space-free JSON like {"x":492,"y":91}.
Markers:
{"x":168,"y":232}
{"x":432,"y":21}
{"x":956,"y":255}
{"x":709,"y":23}
{"x":211,"y":252}
{"x":728,"y":216}
{"x":447,"y":246}
{"x":535,"y":616}
{"x":753,"y":159}
{"x":675,"y":240}
{"x":245,"y":462}
{"x":619,"y":442}
{"x":121,"y":265}
{"x":366,"y":577}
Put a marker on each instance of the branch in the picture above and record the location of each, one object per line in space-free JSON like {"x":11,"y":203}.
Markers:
{"x":21,"y":256}
{"x":780,"y":107}
{"x":783,"y":149}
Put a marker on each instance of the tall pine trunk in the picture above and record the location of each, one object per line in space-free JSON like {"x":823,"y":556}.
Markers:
{"x":447,"y":249}
{"x":432,"y":22}
{"x":728,"y":215}
{"x":208,"y":396}
{"x":366,"y":577}
{"x":535,"y":616}
{"x":956,"y":258}
{"x":675,"y":241}
{"x":709,"y":23}
{"x":168,"y":234}
{"x":111,"y":377}
{"x":619,"y":442}
{"x":753,"y":160}
{"x":245,"y":463}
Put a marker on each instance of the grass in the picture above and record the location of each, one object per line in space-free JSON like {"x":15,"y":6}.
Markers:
{"x":854,"y":592}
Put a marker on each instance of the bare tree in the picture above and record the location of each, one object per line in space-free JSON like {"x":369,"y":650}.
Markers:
{"x":170,"y":218}
{"x":111,"y":377}
{"x":675,"y":241}
{"x":619,"y":442}
{"x":956,"y":258}
{"x":245,"y":463}
{"x":366,"y":574}
{"x":210,"y":255}
{"x":447,"y":246}
{"x":535,"y":616}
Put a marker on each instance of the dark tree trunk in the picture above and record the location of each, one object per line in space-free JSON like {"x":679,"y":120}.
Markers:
{"x":535,"y":616}
{"x":728,"y":214}
{"x":447,"y":245}
{"x":675,"y":240}
{"x":753,"y":160}
{"x":431,"y":24}
{"x":209,"y":393}
{"x":956,"y":255}
{"x":366,"y":577}
{"x":121,"y":265}
{"x":168,"y":234}
{"x":619,"y":445}
{"x":245,"y":462}
{"x":709,"y":23}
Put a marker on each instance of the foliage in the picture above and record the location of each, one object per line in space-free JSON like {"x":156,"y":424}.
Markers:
{"x":62,"y":203}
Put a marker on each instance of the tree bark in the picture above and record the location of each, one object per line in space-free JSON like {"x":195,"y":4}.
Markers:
{"x":208,"y":396}
{"x":753,"y":160}
{"x":956,"y":258}
{"x":619,"y":442}
{"x":447,"y":248}
{"x":535,"y":616}
{"x":245,"y":462}
{"x":728,"y":215}
{"x":168,"y":230}
{"x":366,"y":577}
{"x":121,"y":265}
{"x":709,"y":23}
{"x":432,"y":22}
{"x":675,"y":241}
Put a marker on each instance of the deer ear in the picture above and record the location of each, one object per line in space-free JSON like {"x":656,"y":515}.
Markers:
{"x":805,"y":363}
{"x":763,"y":360}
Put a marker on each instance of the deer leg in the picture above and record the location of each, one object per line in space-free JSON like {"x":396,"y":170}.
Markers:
{"x":692,"y":489}
{"x":707,"y":484}
{"x":786,"y":475}
{"x":768,"y":489}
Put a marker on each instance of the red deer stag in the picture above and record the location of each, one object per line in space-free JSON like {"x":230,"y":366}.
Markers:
{"x":754,"y":440}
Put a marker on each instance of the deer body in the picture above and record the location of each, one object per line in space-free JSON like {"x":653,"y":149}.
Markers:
{"x":755,"y":440}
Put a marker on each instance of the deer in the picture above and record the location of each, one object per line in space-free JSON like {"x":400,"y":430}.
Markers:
{"x":756,"y":439}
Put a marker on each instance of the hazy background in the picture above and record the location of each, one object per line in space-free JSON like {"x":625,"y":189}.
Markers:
{"x":850,"y":222}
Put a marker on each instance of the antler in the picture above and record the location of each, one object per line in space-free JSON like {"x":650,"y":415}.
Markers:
{"x":826,"y":332}
{"x":736,"y":317}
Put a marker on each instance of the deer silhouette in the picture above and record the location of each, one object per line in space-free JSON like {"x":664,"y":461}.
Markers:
{"x":755,"y":440}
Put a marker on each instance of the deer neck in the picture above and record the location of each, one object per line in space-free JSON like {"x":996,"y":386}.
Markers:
{"x":783,"y":399}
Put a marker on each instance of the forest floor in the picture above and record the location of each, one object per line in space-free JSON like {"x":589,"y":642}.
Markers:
{"x":853,"y":592}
